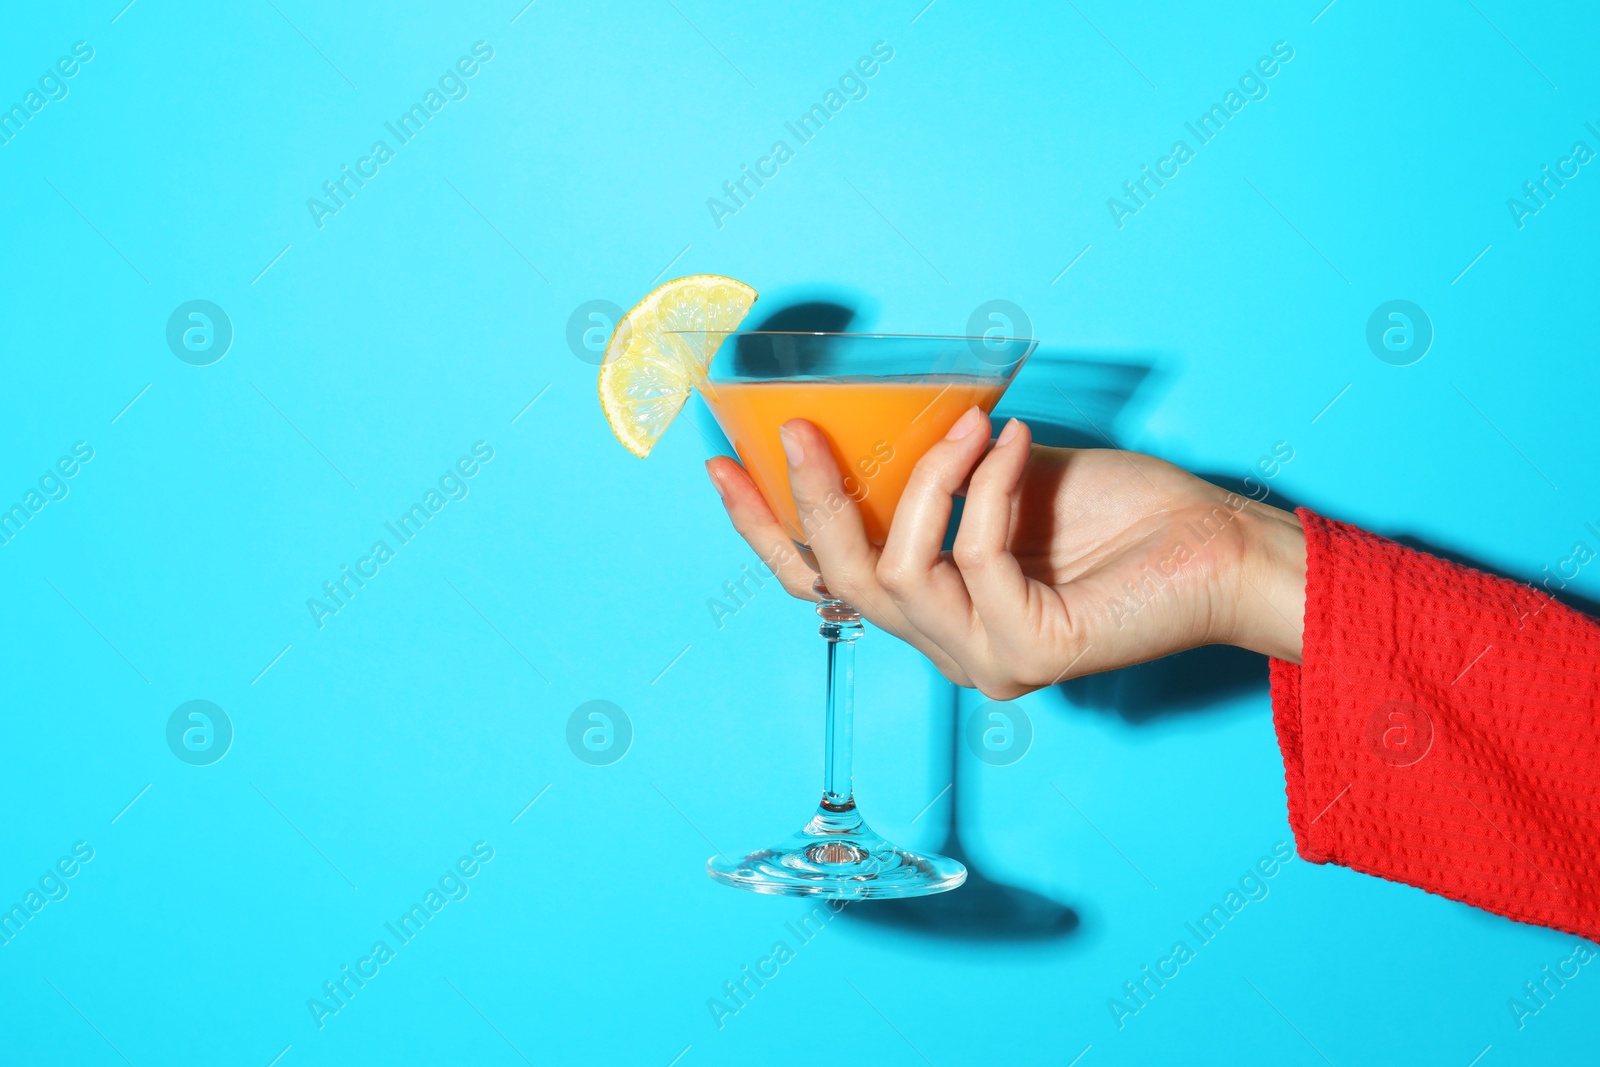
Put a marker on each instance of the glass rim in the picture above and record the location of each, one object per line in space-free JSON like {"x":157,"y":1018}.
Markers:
{"x":884,"y":336}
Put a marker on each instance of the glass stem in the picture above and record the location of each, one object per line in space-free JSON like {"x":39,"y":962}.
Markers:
{"x":841,"y":626}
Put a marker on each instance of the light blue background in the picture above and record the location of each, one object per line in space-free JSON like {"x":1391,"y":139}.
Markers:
{"x":429,"y":312}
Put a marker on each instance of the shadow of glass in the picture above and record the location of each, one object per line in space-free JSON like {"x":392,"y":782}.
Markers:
{"x":1073,"y":398}
{"x":983,"y":909}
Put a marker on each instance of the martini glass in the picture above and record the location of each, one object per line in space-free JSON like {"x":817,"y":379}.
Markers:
{"x":882,"y":400}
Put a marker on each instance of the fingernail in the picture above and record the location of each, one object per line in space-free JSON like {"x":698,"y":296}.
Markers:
{"x":1009,"y":432}
{"x":964,"y":425}
{"x":791,"y":446}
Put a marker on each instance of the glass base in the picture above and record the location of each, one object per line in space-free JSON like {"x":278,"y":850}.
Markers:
{"x":839,"y":856}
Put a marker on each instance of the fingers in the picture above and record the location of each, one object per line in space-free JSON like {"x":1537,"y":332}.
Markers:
{"x":925,"y":586}
{"x":916,"y":536}
{"x":833,"y":528}
{"x":759,"y":527}
{"x":993,"y":577}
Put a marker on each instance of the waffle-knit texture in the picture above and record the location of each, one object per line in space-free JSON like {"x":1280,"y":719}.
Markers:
{"x":1500,"y":807}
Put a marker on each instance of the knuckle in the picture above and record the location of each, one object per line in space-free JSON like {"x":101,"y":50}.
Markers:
{"x":893,"y":576}
{"x":994,"y":689}
{"x":969,"y":555}
{"x":997,"y":682}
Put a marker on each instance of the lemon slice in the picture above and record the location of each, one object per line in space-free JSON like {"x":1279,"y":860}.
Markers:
{"x":648,"y":371}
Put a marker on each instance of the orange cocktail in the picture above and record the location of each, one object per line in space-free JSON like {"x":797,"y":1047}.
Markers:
{"x":881,"y":400}
{"x":879,"y":427}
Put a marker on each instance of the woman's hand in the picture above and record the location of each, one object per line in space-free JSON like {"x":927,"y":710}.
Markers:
{"x":1066,"y":562}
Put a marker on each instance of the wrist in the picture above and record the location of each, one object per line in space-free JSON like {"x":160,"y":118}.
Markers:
{"x":1272,"y":584}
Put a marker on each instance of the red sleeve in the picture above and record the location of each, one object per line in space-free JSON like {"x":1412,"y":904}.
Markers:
{"x":1444,"y":730}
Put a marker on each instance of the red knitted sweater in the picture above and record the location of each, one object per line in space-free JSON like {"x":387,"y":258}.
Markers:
{"x":1444,"y":730}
